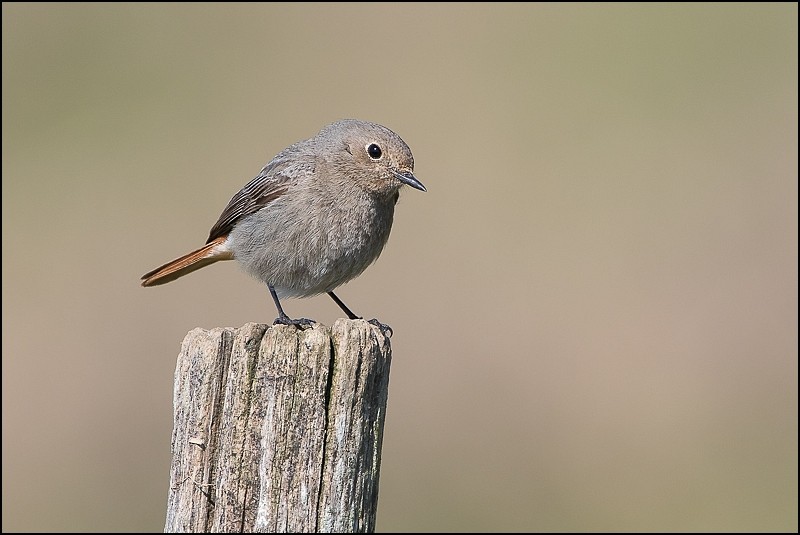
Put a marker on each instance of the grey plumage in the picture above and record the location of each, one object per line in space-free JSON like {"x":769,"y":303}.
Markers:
{"x":316,"y":216}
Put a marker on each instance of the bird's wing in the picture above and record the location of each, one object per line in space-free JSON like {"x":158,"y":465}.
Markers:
{"x":271,"y":183}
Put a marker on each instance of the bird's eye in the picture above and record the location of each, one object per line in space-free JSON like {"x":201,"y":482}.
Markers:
{"x":374,"y":151}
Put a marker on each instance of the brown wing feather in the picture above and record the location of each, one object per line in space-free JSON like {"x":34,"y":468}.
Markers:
{"x":291,"y":165}
{"x":271,"y":183}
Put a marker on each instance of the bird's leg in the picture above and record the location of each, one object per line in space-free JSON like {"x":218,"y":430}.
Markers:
{"x":382,"y":326}
{"x":282,"y":318}
{"x":344,"y":307}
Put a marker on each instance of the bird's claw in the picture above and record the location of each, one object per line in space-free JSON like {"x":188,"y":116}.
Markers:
{"x":385,"y":329}
{"x":300,"y":323}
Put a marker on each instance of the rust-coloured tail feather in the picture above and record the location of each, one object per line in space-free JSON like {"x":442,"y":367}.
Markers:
{"x":187,"y":263}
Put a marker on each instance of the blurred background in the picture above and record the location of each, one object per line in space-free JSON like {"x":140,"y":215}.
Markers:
{"x":594,"y":305}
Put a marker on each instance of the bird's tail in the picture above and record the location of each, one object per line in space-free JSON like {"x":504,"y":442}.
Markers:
{"x":213,"y":251}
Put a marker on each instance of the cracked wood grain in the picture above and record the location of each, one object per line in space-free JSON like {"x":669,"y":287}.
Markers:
{"x":278,"y":429}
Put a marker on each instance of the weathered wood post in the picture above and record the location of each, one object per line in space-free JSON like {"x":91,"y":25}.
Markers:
{"x":278,"y":429}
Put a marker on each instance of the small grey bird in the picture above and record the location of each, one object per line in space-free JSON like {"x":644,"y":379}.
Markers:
{"x":314,"y":218}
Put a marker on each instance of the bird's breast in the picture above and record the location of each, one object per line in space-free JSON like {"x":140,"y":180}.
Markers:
{"x":313,"y":245}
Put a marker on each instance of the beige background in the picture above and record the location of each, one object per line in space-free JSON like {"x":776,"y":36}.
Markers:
{"x":594,"y":305}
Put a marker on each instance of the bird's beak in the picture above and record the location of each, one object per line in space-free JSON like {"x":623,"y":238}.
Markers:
{"x":408,"y":178}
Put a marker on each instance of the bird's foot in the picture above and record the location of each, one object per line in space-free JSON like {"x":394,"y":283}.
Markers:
{"x":300,"y":323}
{"x":385,"y":329}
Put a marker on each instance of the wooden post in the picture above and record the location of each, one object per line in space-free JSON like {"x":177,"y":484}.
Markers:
{"x":278,"y":429}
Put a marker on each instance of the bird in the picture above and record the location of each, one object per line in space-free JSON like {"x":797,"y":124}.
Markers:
{"x":315,"y":217}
